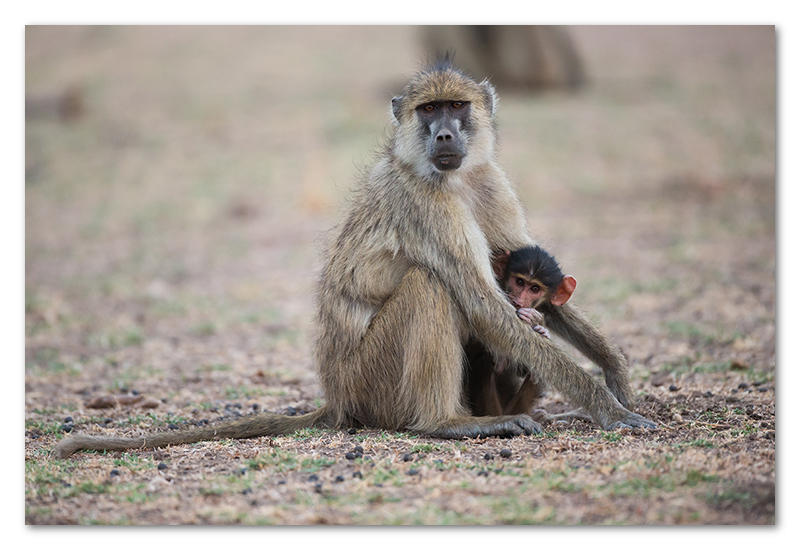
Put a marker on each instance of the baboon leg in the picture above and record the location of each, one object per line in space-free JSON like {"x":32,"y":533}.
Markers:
{"x":487,"y":426}
{"x":490,"y":399}
{"x":523,"y":401}
{"x":578,"y":331}
{"x":480,"y":388}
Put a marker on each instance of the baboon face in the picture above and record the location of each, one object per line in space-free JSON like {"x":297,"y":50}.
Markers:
{"x":532,"y":276}
{"x":524,"y":292}
{"x":443,"y":125}
{"x":445,"y":121}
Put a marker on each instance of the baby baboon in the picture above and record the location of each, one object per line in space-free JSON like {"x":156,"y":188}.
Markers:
{"x":407,"y":279}
{"x":530,"y":277}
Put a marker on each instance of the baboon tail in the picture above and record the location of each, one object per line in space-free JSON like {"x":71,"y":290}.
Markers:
{"x":243,"y":428}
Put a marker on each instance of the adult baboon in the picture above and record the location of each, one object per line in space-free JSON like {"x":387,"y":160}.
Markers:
{"x":408,"y":278}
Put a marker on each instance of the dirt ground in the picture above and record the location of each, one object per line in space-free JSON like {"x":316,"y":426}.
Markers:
{"x":179,"y":181}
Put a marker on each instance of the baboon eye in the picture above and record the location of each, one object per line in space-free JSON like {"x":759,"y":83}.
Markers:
{"x":536,"y":288}
{"x":458,"y":104}
{"x":429,"y":107}
{"x":520,"y":282}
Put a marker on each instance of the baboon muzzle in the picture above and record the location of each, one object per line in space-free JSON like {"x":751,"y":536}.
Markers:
{"x":446,"y":149}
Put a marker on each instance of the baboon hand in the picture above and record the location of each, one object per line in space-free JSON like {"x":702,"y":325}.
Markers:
{"x":631,"y":420}
{"x":543,"y":331}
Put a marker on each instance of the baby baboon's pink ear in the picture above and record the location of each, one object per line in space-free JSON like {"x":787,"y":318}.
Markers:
{"x":500,"y":262}
{"x":564,"y":291}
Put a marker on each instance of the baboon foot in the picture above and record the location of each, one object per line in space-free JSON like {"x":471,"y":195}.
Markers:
{"x":488,"y":426}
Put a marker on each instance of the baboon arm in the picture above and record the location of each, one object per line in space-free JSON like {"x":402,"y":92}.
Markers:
{"x":575,"y":328}
{"x":492,"y":320}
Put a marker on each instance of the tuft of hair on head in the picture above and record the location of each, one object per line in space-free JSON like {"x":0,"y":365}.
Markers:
{"x":443,"y":61}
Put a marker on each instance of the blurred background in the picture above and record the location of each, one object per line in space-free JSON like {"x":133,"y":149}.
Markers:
{"x":179,"y":182}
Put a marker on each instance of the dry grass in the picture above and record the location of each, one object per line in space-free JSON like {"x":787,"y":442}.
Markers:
{"x":172,"y":233}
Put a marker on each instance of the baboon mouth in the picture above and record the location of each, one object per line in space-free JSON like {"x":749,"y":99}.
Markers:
{"x":447,"y":162}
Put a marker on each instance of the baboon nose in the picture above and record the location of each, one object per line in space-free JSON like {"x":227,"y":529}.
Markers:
{"x":444,"y":135}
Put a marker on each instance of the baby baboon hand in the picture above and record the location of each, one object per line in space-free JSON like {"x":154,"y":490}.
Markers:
{"x":541,"y":330}
{"x":530,"y":316}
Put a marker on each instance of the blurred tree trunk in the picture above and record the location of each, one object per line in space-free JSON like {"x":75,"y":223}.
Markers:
{"x":528,"y":57}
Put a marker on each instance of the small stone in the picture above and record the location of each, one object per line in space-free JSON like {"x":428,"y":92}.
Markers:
{"x":313,"y":477}
{"x":114,"y":473}
{"x":488,"y":456}
{"x":350,"y":456}
{"x":742,"y":386}
{"x":172,"y":426}
{"x":677,"y":418}
{"x":358,"y":475}
{"x":505,"y":453}
{"x":162,"y":466}
{"x":339,"y":479}
{"x":673,"y":387}
{"x":484,"y":473}
{"x":708,"y":394}
{"x":358,"y":449}
{"x":68,"y":420}
{"x":66,"y":428}
{"x":413,"y":472}
{"x":352,"y":431}
{"x":108,"y":421}
{"x":407,"y":458}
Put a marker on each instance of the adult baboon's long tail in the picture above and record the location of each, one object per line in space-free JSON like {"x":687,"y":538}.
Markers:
{"x":243,"y":428}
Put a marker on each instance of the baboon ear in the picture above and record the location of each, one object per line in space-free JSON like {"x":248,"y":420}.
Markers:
{"x":396,"y":101}
{"x":500,"y":263}
{"x":564,"y":291}
{"x":490,"y":96}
